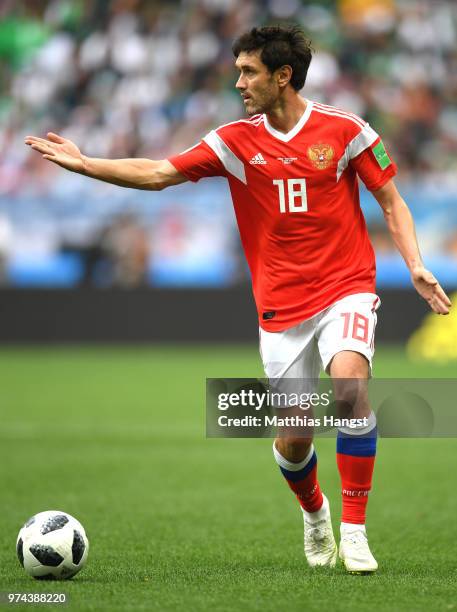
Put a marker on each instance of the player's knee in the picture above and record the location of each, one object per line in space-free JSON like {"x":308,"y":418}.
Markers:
{"x":349,"y":365}
{"x":350,"y":393}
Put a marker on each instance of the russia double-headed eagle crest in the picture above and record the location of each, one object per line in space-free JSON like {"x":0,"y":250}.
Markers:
{"x":321,"y":155}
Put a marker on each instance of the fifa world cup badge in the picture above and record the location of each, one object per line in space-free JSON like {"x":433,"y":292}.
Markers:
{"x":321,"y":155}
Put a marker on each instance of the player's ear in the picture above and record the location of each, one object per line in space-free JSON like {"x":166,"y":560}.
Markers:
{"x":284,"y":74}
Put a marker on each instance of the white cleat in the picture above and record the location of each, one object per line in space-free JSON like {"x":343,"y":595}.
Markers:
{"x":320,"y":545}
{"x":356,"y":554}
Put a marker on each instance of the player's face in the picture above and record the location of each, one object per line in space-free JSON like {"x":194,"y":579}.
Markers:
{"x":257,"y":86}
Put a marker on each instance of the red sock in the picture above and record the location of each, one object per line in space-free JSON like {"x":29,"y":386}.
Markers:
{"x":302,"y":479}
{"x":355,"y":458}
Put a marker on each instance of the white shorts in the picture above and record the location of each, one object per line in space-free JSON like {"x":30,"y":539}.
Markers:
{"x":302,"y":351}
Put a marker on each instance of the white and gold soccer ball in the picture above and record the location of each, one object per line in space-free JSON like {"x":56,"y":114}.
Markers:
{"x":52,"y":545}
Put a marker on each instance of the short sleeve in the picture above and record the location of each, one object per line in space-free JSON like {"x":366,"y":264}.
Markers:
{"x":198,"y":162}
{"x":374,"y":166}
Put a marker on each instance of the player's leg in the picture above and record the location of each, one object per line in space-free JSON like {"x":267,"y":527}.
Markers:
{"x":301,"y":476}
{"x":356,"y":452}
{"x":297,"y":461}
{"x":294,"y":451}
{"x":346,"y":345}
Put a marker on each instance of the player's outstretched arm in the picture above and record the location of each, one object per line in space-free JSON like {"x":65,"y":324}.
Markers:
{"x":401,"y":226}
{"x":136,"y":173}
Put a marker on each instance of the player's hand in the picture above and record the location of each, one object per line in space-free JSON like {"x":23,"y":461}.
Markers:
{"x":59,"y":150}
{"x":429,"y":288}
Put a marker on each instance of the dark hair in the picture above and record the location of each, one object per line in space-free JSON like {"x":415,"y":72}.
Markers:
{"x":280,"y":46}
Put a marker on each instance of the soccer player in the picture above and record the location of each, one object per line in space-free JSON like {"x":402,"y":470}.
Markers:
{"x":292,"y":168}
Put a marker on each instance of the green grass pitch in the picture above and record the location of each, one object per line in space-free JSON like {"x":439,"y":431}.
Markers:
{"x":116,"y":436}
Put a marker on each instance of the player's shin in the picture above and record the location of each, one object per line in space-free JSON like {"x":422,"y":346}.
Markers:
{"x":356,"y":452}
{"x":301,"y":477}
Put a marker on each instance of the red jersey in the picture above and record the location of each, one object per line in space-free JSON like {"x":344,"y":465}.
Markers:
{"x":296,"y":201}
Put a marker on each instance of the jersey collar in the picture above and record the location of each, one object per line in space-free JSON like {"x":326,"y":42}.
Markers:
{"x":285,"y":137}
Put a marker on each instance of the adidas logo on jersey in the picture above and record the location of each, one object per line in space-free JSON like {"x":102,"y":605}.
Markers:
{"x":258,"y":159}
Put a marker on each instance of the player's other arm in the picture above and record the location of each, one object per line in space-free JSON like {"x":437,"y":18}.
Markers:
{"x":401,"y":227}
{"x":135,"y":173}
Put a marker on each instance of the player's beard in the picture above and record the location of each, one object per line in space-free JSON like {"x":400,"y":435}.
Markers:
{"x":263,"y":102}
{"x":258,"y":107}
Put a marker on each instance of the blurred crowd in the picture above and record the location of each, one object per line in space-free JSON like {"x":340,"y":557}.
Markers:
{"x":148,"y":78}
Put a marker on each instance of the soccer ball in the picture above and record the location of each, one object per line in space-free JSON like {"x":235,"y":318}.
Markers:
{"x":52,"y":545}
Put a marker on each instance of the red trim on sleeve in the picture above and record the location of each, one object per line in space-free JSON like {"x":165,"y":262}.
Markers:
{"x":198,"y":162}
{"x":387,"y":174}
{"x":369,"y":170}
